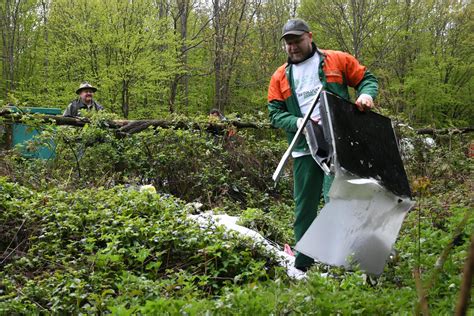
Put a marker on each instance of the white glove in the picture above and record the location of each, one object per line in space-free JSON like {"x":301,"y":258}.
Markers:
{"x":298,"y":124}
{"x":364,"y":102}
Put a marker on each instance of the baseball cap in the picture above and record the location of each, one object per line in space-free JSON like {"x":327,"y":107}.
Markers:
{"x":295,"y":27}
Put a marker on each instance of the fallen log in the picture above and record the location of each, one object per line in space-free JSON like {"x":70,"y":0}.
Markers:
{"x":134,"y":126}
{"x":9,"y":116}
{"x":130,"y":127}
{"x":444,"y":131}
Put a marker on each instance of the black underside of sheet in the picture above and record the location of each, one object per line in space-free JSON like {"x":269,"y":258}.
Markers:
{"x":365,"y":144}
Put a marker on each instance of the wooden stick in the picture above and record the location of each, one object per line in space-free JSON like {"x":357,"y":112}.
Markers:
{"x":422,"y":300}
{"x":468,"y":275}
{"x":444,"y":254}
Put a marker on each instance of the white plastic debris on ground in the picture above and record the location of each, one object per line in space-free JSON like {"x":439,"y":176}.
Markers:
{"x":407,"y":145}
{"x":358,"y":226}
{"x":208,"y":219}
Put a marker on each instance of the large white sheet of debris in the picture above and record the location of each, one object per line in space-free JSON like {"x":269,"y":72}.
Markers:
{"x":358,"y":227}
{"x":207,"y":220}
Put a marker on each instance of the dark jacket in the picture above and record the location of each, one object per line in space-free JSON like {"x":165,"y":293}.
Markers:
{"x":73,"y":109}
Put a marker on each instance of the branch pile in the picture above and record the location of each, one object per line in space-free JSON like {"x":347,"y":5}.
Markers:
{"x":125,"y":127}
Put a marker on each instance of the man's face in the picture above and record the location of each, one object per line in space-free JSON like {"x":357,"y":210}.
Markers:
{"x":86,"y":95}
{"x":298,"y":47}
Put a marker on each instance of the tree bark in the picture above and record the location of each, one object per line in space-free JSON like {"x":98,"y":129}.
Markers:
{"x":8,"y":25}
{"x":135,"y":126}
{"x":44,"y":6}
{"x":218,"y":58}
{"x":466,"y":286}
{"x":432,"y":131}
{"x":125,"y":98}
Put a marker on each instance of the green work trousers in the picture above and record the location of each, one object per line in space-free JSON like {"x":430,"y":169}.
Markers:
{"x":327,"y":186}
{"x":308,"y":182}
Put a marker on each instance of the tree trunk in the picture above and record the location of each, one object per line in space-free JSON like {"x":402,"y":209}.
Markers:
{"x":184,"y":47}
{"x":9,"y":25}
{"x":173,"y":91}
{"x":231,"y":26}
{"x":183,"y":14}
{"x":218,"y":59}
{"x":44,"y":5}
{"x":125,"y":98}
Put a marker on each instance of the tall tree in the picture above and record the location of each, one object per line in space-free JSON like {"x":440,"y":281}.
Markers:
{"x":120,"y":45}
{"x":17,"y":20}
{"x":440,"y":83}
{"x":232,"y":23}
{"x":190,"y":38}
{"x":151,"y":57}
{"x":261,"y":54}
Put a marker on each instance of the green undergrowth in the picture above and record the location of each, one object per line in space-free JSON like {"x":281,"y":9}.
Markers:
{"x":77,"y":235}
{"x":128,"y":252}
{"x":69,"y":252}
{"x":210,"y":166}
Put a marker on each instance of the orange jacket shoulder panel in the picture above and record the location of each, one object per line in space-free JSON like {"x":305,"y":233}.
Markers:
{"x":337,"y":62}
{"x":279,"y":88}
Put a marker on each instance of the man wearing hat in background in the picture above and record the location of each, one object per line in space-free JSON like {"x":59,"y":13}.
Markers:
{"x":291,"y":93}
{"x":85,"y":101}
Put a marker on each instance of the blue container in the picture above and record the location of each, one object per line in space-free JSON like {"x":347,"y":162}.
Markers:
{"x":22,"y":133}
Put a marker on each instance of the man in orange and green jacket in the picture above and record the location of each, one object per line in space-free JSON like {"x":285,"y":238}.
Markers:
{"x":292,"y":91}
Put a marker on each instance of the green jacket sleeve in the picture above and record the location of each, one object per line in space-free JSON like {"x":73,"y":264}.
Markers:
{"x":368,"y":85}
{"x":280,"y":117}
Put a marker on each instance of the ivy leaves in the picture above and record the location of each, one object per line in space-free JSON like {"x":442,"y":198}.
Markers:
{"x":83,"y":243}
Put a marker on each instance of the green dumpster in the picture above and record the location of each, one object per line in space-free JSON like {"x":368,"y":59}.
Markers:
{"x":21,"y":133}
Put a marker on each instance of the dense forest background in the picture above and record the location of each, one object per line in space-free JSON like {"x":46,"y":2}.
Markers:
{"x":79,"y":234}
{"x":150,"y":58}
